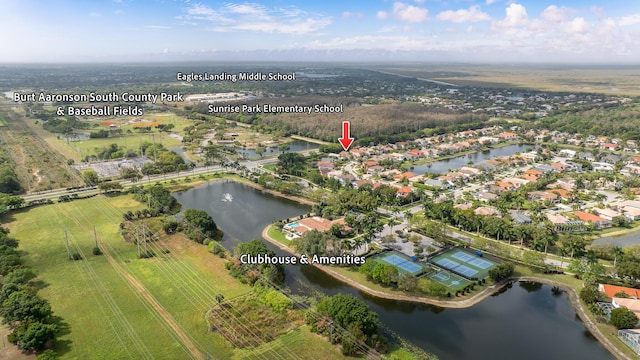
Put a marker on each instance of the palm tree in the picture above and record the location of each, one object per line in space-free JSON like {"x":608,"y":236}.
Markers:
{"x":617,"y":251}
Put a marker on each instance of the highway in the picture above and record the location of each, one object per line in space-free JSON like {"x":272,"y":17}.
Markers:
{"x":56,"y":193}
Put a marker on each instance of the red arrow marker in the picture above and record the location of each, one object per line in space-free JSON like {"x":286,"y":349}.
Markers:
{"x":346,"y":140}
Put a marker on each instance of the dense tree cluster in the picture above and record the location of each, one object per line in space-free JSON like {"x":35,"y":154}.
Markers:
{"x":250,"y":273}
{"x":158,"y":199}
{"x":501,"y":271}
{"x":292,"y":163}
{"x":348,"y":321}
{"x":200,"y":226}
{"x":623,"y":318}
{"x":629,"y":269}
{"x":9,"y":183}
{"x":385,"y":274}
{"x":164,"y":161}
{"x":27,"y":314}
{"x":501,"y":228}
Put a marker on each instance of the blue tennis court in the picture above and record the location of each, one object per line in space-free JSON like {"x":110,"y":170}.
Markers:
{"x":457,"y":267}
{"x":402,"y":263}
{"x":462,"y":256}
{"x":464,"y":263}
{"x":482,"y":264}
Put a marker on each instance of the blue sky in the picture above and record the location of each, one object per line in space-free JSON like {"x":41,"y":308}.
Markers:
{"x":428,"y":30}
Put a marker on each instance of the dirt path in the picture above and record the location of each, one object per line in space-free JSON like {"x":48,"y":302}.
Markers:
{"x":164,"y":314}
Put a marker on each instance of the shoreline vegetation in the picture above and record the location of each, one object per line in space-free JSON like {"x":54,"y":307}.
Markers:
{"x":475,"y":299}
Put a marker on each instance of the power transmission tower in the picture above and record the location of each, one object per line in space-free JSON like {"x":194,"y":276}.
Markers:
{"x":137,"y":241}
{"x":66,"y":238}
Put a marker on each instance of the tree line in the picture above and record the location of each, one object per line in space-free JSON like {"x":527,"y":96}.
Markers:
{"x":28,"y":315}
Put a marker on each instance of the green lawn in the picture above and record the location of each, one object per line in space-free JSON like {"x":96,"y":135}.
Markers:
{"x":277,"y":235}
{"x":102,"y":316}
{"x":300,"y":342}
{"x":128,"y":141}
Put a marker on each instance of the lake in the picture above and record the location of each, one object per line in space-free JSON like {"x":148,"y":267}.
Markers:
{"x":525,"y":321}
{"x":443,"y":166}
{"x":294,"y":146}
{"x":629,"y":239}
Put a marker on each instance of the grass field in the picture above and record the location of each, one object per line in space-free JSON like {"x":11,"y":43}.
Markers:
{"x":609,"y":80}
{"x":38,"y":165}
{"x":278,"y":236}
{"x":127,"y":141}
{"x":104,"y":315}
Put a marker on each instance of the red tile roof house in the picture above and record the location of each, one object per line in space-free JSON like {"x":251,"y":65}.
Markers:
{"x":404,"y":191}
{"x":407,"y":175}
{"x":415,"y":154}
{"x":609,"y":146}
{"x":612,"y":290}
{"x":317,"y":223}
{"x":598,"y":221}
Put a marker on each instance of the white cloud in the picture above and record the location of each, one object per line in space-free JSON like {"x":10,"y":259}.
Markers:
{"x":253,"y":17}
{"x":516,"y":15}
{"x":555,"y":14}
{"x":629,"y":20}
{"x":405,"y":12}
{"x":489,"y":2}
{"x":473,"y":14}
{"x":348,"y":15}
{"x":576,"y":26}
{"x":199,"y":9}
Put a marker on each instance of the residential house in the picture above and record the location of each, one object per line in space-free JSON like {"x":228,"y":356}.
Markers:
{"x":598,"y":221}
{"x":542,"y":196}
{"x":611,"y":159}
{"x":535,"y":173}
{"x":563,"y":183}
{"x":414,"y":154}
{"x":486,"y":196}
{"x":486,"y":211}
{"x":520,"y":218}
{"x":612,"y":290}
{"x":564,"y":194}
{"x":601,"y":166}
{"x":408,"y":175}
{"x":607,"y":213}
{"x":631,"y":213}
{"x":630,"y":170}
{"x":404,"y":191}
{"x":631,"y":304}
{"x":586,"y":155}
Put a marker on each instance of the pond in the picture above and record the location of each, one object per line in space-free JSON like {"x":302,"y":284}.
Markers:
{"x":525,"y":321}
{"x":629,"y":239}
{"x":294,"y":146}
{"x":443,"y":166}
